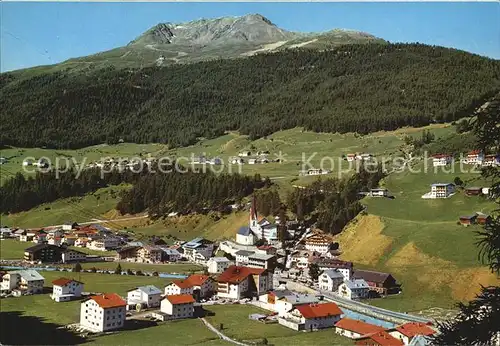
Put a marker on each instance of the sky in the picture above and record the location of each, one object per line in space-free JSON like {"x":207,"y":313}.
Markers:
{"x":41,"y":33}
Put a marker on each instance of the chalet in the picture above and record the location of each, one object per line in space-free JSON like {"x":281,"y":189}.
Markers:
{"x":467,"y":220}
{"x":440,"y":190}
{"x":70,"y":255}
{"x":363,"y":157}
{"x":55,"y":241}
{"x":441,"y":160}
{"x":217,"y":265}
{"x":309,"y":317}
{"x":40,"y":237}
{"x":267,"y":249}
{"x":68,"y":226}
{"x":103,"y":312}
{"x":351,"y":157}
{"x":43,"y":253}
{"x":381,"y":338}
{"x":475,"y":157}
{"x":179,"y":287}
{"x":170,"y":254}
{"x":491,"y":160}
{"x":27,"y":236}
{"x":302,"y":258}
{"x":22,"y":282}
{"x":237,"y":161}
{"x":346,"y":268}
{"x":198,"y":250}
{"x":19,"y":233}
{"x":128,"y":253}
{"x":104,"y":243}
{"x":144,"y":296}
{"x":283,"y":301}
{"x":317,"y":171}
{"x":383,"y":283}
{"x":354,"y":328}
{"x":330,"y":280}
{"x":482,"y":219}
{"x":245,"y":154}
{"x":149,"y":254}
{"x":318,"y":242}
{"x":203,"y":285}
{"x":378,"y":193}
{"x":472,"y":191}
{"x":5,"y":233}
{"x":178,"y":306}
{"x":354,"y":289}
{"x":406,"y":332}
{"x":64,"y":289}
{"x":237,"y":282}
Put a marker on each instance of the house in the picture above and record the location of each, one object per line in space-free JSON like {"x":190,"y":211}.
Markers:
{"x":179,"y":287}
{"x":318,"y":242}
{"x":475,"y":157}
{"x":145,"y":296}
{"x":408,"y":331}
{"x":245,"y":236}
{"x":330,"y":280}
{"x":64,"y":289}
{"x":43,"y":253}
{"x":301,"y":259}
{"x":354,"y":289}
{"x":351,"y":157}
{"x":383,"y":283}
{"x":440,"y":190}
{"x":284,"y":301}
{"x":245,"y":154}
{"x":149,"y":254}
{"x":170,"y":254}
{"x":5,"y":233}
{"x":482,"y":219}
{"x":316,"y":171}
{"x":198,"y":250}
{"x":258,"y":260}
{"x":311,"y":317}
{"x":70,"y":255}
{"x":491,"y":160}
{"x":128,"y":253}
{"x":81,"y":242}
{"x":237,"y":282}
{"x":237,"y":161}
{"x":467,"y":220}
{"x":381,"y":338}
{"x":267,"y":249}
{"x":18,"y":233}
{"x":346,"y":268}
{"x":241,"y":257}
{"x":203,"y":286}
{"x":354,"y":328}
{"x":218,"y":264}
{"x":68,"y":226}
{"x":57,"y":241}
{"x":40,"y":237}
{"x":26,"y":281}
{"x":363,"y":157}
{"x":178,"y":306}
{"x":103,"y":312}
{"x":27,"y":236}
{"x":104,"y":244}
{"x":472,"y":191}
{"x":378,"y":192}
{"x":441,"y":160}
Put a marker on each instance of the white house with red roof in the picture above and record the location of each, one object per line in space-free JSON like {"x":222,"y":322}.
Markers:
{"x":475,"y":157}
{"x":354,"y":329}
{"x":201,"y":286}
{"x":64,"y":289}
{"x":178,"y":306}
{"x":406,"y":332}
{"x":103,"y":312}
{"x":441,"y":160}
{"x":380,"y":338}
{"x":311,"y":317}
{"x":237,"y":282}
{"x":179,"y":287}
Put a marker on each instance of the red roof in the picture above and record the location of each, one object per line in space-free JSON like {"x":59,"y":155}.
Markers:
{"x":63,"y":281}
{"x":414,"y":328}
{"x":236,"y":274}
{"x":381,"y":338}
{"x":440,"y":156}
{"x":109,"y":300}
{"x":197,"y":279}
{"x":319,"y":310}
{"x":182,"y":283}
{"x":359,"y":327}
{"x":475,"y":152}
{"x":180,"y":299}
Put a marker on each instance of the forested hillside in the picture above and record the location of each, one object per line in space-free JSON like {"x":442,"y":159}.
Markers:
{"x":354,"y":88}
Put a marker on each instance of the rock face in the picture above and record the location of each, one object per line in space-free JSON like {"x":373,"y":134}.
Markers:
{"x":227,"y":30}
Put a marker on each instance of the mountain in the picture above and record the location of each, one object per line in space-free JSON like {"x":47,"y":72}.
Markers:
{"x":359,"y":88}
{"x":207,"y":39}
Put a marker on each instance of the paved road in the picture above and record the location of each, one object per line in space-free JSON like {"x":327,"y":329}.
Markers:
{"x":222,"y":336}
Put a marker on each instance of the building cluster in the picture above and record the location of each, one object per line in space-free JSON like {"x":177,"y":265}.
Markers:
{"x":475,"y":157}
{"x":474,"y":219}
{"x":121,"y":164}
{"x":252,"y":158}
{"x":358,"y":157}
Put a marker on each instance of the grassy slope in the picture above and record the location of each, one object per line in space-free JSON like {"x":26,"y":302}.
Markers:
{"x":420,"y":242}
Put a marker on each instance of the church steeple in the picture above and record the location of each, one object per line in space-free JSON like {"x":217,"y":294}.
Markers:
{"x":253,"y":213}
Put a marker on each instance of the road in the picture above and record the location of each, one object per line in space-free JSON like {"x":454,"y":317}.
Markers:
{"x":106,"y":221}
{"x":219,"y":333}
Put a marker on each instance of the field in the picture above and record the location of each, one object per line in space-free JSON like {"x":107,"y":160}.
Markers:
{"x":161,"y":268}
{"x":237,"y":325}
{"x":419,"y":241}
{"x":13,"y":249}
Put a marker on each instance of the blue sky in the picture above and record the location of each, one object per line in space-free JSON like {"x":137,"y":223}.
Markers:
{"x":39,"y":33}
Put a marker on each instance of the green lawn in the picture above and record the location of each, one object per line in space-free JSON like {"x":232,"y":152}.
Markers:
{"x":13,"y":249}
{"x":94,"y":252}
{"x":163,"y":268}
{"x":238,"y":326}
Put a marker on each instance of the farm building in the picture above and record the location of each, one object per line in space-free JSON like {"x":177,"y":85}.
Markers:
{"x":467,"y":220}
{"x":472,"y":191}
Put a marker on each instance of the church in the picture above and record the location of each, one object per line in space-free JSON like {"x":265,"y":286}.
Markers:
{"x":257,"y":229}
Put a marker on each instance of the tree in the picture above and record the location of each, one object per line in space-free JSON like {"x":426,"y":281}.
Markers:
{"x":130,"y":272}
{"x":77,"y":268}
{"x":264,"y":341}
{"x":155,"y":273}
{"x":314,"y":271}
{"x":139,"y":273}
{"x":93,"y":270}
{"x":118,"y":269}
{"x":477,"y":321}
{"x":457,"y":181}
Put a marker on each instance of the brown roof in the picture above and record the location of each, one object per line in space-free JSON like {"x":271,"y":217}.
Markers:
{"x":197,"y":279}
{"x":368,"y":275}
{"x":109,"y":300}
{"x":359,"y":327}
{"x":334,"y":263}
{"x":236,"y":274}
{"x":319,"y":310}
{"x":182,"y":283}
{"x":180,"y":299}
{"x":63,"y":281}
{"x":381,"y":338}
{"x":414,"y":328}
